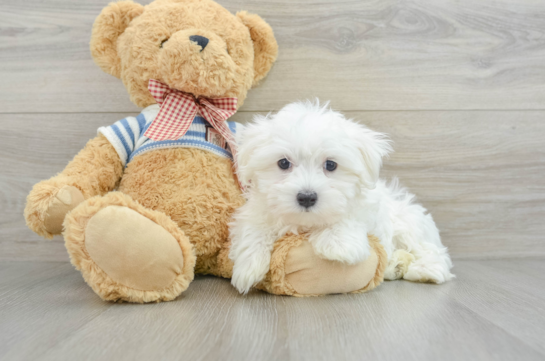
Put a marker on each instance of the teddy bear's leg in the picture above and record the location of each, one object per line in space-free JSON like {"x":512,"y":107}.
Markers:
{"x":95,"y":170}
{"x":127,"y":252}
{"x":296,"y":270}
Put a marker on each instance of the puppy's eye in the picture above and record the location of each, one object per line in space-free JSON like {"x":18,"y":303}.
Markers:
{"x":284,"y":163}
{"x":162,"y":42}
{"x":330,"y":165}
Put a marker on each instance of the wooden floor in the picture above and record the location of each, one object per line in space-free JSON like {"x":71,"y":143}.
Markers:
{"x":458,"y":84}
{"x":495,"y":309}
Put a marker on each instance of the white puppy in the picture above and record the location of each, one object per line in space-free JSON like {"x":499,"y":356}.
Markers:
{"x":309,"y":169}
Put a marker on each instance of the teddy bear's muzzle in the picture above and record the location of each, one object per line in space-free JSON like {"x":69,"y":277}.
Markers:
{"x":197,"y":61}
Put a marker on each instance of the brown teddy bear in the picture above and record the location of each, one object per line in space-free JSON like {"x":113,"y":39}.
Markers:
{"x":169,"y":217}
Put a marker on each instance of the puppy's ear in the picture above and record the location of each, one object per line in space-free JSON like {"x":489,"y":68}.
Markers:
{"x":374,"y":146}
{"x":265,"y":46}
{"x":248,"y":137}
{"x":108,"y":26}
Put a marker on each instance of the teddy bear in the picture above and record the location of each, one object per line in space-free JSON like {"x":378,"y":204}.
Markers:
{"x":145,"y":205}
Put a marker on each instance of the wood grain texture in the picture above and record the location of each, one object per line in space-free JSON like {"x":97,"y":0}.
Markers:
{"x":361,"y":54}
{"x":479,"y":173}
{"x":49,"y":313}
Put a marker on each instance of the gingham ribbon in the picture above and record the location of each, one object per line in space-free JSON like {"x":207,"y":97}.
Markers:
{"x":178,"y":109}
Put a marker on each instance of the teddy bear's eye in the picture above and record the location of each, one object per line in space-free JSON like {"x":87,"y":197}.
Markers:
{"x":162,"y":42}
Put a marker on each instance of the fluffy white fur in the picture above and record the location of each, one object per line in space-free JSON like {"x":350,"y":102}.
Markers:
{"x":352,"y":201}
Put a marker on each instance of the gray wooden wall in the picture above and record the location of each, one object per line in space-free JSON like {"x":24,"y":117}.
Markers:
{"x":458,"y":84}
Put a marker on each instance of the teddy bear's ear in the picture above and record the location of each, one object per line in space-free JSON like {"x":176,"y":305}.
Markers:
{"x":265,"y":46}
{"x":112,"y":22}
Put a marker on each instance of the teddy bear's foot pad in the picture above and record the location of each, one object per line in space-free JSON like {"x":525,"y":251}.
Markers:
{"x":310,"y":275}
{"x":127,"y":252}
{"x":132,"y":249}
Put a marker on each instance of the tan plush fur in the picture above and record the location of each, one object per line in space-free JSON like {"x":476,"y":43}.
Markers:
{"x":382,"y":263}
{"x":190,"y":193}
{"x":194,"y":187}
{"x":74,"y":238}
{"x":127,"y":40}
{"x":275,"y":280}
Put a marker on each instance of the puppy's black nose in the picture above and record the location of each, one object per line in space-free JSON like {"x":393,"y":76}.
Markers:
{"x":200,"y":40}
{"x":307,"y":199}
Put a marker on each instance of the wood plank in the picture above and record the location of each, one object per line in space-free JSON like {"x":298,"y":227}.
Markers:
{"x":513,"y":275}
{"x":42,"y":309}
{"x":479,"y":172}
{"x":400,"y":320}
{"x":54,"y":315}
{"x":507,"y":299}
{"x":533,"y":270}
{"x":17,"y":272}
{"x":362,"y":55}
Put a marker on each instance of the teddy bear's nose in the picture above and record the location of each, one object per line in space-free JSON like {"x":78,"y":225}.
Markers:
{"x":200,"y":40}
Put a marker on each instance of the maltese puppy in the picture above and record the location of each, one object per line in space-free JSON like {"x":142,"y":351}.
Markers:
{"x":309,"y":169}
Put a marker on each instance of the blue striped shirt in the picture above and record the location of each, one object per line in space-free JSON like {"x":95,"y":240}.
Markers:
{"x":127,"y":136}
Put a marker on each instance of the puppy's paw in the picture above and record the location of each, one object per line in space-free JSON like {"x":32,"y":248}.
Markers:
{"x":398,"y":265}
{"x":248,"y":273}
{"x":347,"y":250}
{"x":432,"y":272}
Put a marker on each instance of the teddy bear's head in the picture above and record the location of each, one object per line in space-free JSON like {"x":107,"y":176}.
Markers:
{"x":195,"y":46}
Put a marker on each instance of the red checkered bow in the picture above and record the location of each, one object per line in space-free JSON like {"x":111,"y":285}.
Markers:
{"x":178,"y":109}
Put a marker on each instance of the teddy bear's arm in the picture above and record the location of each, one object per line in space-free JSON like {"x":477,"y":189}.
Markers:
{"x":296,"y":270}
{"x":95,"y":170}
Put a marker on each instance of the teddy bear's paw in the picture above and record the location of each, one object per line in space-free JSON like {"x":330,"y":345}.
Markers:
{"x":67,"y":198}
{"x":398,"y":265}
{"x":128,"y":252}
{"x":48,"y":203}
{"x":309,"y":274}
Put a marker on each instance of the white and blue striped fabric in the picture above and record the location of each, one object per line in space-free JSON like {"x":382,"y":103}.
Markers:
{"x":127,"y":136}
